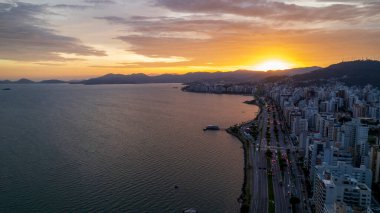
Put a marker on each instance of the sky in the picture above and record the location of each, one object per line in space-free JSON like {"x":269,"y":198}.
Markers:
{"x":67,"y":39}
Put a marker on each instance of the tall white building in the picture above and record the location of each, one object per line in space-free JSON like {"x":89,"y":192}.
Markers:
{"x":362,"y":174}
{"x":356,"y":138}
{"x":332,"y":189}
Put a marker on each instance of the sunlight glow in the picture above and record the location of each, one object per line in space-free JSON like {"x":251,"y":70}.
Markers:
{"x":272,"y":65}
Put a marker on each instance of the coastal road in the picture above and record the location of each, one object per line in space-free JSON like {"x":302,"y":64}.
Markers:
{"x":260,"y":170}
{"x":286,"y":183}
{"x":259,"y":198}
{"x":294,"y":173}
{"x":279,"y":184}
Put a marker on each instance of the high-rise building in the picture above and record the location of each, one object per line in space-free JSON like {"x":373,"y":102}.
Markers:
{"x":361,"y":174}
{"x":332,"y":189}
{"x":356,"y":136}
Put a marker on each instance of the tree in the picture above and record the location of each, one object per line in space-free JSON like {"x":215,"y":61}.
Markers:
{"x":294,"y":201}
{"x":288,"y":151}
{"x":283,"y":164}
{"x":269,"y":153}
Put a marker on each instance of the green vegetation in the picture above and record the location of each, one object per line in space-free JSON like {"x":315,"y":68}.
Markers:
{"x":279,"y":153}
{"x":234,"y":129}
{"x":276,"y":132}
{"x":374,"y":132}
{"x":269,"y":153}
{"x":282,"y":163}
{"x":294,"y":201}
{"x":254,"y":131}
{"x":271,"y":206}
{"x":372,"y":139}
{"x":267,"y":136}
{"x":252,"y":102}
{"x":359,"y":72}
{"x":246,"y":189}
{"x":370,"y":122}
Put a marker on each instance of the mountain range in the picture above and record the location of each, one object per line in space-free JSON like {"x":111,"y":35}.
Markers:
{"x":235,"y":76}
{"x":140,"y":78}
{"x":27,"y":81}
{"x":360,"y":72}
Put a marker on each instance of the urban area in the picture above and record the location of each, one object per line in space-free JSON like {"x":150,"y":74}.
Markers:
{"x":312,"y":148}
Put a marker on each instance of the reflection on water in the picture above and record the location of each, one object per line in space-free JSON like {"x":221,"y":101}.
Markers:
{"x":118,"y":148}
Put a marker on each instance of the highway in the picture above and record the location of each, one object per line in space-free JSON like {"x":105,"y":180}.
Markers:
{"x":286,"y":183}
{"x":294,"y":173}
{"x":280,"y":179}
{"x":259,"y":201}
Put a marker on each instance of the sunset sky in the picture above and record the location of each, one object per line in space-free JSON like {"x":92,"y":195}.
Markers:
{"x":67,"y":39}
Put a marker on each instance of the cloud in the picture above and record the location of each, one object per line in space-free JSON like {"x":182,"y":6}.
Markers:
{"x":227,"y":50}
{"x":70,"y":6}
{"x":231,"y":32}
{"x":100,"y":1}
{"x":49,"y":64}
{"x":113,"y":19}
{"x":25,"y":36}
{"x":273,"y":10}
{"x":185,"y":27}
{"x":226,"y":42}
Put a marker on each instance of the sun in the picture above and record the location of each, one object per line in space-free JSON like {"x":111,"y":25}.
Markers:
{"x":272,"y":65}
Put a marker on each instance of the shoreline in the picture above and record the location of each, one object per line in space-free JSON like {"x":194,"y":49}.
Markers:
{"x":246,"y":189}
{"x":246,"y":192}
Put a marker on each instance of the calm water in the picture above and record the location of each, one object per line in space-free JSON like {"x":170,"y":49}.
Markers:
{"x":119,"y":148}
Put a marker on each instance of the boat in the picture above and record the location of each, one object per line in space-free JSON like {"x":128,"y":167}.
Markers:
{"x":211,"y":127}
{"x":7,"y":89}
{"x":192,"y":210}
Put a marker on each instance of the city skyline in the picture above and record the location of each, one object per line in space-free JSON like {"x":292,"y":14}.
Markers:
{"x":80,"y":39}
{"x":190,"y":106}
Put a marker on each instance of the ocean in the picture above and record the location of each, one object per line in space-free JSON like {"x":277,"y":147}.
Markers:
{"x":118,"y":148}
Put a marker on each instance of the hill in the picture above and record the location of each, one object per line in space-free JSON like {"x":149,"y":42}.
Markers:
{"x":27,"y":81}
{"x":52,"y":81}
{"x":20,"y":81}
{"x":360,"y":72}
{"x":233,"y":77}
{"x":24,"y":81}
{"x":294,"y":71}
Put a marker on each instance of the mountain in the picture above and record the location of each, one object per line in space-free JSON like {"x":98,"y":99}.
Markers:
{"x":296,"y":71}
{"x":119,"y":79}
{"x":360,"y":72}
{"x":5,"y":82}
{"x":21,"y":81}
{"x":24,"y":81}
{"x":52,"y":81}
{"x":235,"y":76}
{"x":27,"y":81}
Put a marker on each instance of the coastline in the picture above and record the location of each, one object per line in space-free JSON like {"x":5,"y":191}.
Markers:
{"x":246,"y":190}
